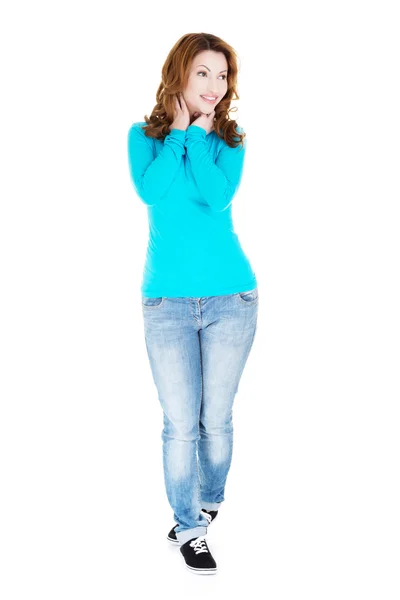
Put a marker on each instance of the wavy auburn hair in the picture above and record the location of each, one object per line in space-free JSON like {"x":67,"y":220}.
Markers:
{"x":174,"y":78}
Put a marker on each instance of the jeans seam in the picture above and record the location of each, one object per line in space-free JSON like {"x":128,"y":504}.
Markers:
{"x":198,"y":420}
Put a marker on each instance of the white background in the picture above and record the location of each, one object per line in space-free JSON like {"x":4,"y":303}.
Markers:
{"x":312,"y":498}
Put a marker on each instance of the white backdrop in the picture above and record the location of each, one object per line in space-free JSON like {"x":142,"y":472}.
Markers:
{"x":312,"y":497}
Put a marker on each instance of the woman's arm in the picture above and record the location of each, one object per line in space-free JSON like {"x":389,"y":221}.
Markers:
{"x":153,"y":176}
{"x":217,"y":181}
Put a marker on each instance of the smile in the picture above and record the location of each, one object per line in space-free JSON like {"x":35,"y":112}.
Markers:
{"x":209,"y":99}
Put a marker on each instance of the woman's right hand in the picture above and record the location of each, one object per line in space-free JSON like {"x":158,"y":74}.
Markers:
{"x":181,"y":114}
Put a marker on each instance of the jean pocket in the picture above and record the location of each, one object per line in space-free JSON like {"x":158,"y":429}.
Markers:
{"x":250,"y":297}
{"x":152,"y":302}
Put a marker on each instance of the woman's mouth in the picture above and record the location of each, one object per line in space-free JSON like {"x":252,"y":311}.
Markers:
{"x":210,"y":99}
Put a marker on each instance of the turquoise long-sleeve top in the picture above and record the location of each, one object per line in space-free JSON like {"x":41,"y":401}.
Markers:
{"x":188,"y":182}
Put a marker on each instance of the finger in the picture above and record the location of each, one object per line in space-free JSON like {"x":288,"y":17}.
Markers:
{"x":184,"y":105}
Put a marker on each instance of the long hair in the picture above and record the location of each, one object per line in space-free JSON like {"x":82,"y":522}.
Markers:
{"x":174,"y":78}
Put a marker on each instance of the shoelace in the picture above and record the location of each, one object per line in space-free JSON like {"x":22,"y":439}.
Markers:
{"x":199,"y":544}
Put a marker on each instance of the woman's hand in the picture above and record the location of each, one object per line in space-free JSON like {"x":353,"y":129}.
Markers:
{"x":181,"y":114}
{"x":205,"y":121}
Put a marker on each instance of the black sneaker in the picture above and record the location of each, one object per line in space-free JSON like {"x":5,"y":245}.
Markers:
{"x":198,"y":557}
{"x":208,"y":514}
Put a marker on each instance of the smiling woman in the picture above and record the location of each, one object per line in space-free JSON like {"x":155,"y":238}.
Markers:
{"x":199,"y":66}
{"x":206,"y":87}
{"x":199,"y":292}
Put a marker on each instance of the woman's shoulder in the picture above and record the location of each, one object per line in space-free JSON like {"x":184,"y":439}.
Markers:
{"x":136,"y":133}
{"x":138,"y":127}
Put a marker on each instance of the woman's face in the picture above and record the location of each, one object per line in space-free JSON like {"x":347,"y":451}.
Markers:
{"x":208,"y":77}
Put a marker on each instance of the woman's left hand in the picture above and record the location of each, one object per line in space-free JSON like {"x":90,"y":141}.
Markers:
{"x":205,"y":121}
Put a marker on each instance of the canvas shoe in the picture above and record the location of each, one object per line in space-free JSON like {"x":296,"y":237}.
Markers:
{"x":198,"y":557}
{"x":208,"y":514}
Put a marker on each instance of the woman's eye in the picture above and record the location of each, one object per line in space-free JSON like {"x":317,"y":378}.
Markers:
{"x":204,"y":73}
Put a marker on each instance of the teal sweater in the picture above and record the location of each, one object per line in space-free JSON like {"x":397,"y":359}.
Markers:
{"x":188,"y":182}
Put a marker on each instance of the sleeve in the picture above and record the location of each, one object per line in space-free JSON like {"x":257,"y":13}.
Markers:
{"x":152,"y":176}
{"x":217,"y":181}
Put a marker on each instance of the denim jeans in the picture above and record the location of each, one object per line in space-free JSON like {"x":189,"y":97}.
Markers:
{"x":197,"y":349}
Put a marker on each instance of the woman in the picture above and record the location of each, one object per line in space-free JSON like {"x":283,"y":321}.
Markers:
{"x":199,"y":293}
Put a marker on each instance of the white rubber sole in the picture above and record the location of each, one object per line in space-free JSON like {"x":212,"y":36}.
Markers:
{"x":202,"y":571}
{"x":174,"y":542}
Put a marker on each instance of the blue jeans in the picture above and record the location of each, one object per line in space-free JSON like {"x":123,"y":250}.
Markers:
{"x":197,"y":348}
